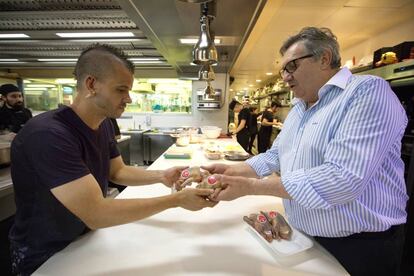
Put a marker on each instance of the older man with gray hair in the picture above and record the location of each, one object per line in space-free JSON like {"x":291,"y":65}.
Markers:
{"x":337,"y":161}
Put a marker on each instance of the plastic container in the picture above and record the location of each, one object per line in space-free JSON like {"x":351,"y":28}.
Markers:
{"x":183,"y":140}
{"x":298,"y":243}
{"x":211,"y":132}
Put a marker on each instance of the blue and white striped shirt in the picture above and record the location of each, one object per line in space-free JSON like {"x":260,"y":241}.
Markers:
{"x":340,"y":160}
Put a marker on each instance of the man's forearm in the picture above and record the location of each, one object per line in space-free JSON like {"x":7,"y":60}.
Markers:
{"x":110,"y":212}
{"x":135,"y":176}
{"x":242,"y":169}
{"x":271,"y":185}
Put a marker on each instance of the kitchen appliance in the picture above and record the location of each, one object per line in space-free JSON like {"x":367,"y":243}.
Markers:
{"x":4,"y":153}
{"x":136,"y":146}
{"x":209,"y":102}
{"x":401,"y":79}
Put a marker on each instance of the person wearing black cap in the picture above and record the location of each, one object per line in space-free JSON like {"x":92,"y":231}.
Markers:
{"x":13,"y":114}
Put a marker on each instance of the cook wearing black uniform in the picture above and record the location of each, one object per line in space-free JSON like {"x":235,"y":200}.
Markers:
{"x":266,"y":127}
{"x":253,"y":127}
{"x":13,"y":114}
{"x":242,"y":130}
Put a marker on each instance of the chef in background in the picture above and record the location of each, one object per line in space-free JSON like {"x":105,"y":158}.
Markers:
{"x":13,"y":114}
{"x":337,"y":161}
{"x":267,"y":121}
{"x":242,"y":130}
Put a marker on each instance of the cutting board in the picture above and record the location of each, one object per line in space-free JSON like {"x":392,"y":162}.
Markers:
{"x":178,"y":153}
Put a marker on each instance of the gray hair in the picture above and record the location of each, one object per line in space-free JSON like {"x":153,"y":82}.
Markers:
{"x":316,"y":41}
{"x":97,"y":60}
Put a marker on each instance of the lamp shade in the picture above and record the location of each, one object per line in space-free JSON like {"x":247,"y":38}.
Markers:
{"x":205,"y":51}
{"x":206,"y":73}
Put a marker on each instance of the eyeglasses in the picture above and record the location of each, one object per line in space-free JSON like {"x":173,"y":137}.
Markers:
{"x":291,"y":66}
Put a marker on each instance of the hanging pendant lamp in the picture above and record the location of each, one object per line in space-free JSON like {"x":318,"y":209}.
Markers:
{"x":206,"y":73}
{"x":205,"y":51}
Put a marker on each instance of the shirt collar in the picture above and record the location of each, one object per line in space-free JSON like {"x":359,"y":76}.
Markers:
{"x":340,"y":79}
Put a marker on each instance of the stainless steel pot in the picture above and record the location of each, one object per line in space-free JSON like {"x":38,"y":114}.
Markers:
{"x":4,"y":153}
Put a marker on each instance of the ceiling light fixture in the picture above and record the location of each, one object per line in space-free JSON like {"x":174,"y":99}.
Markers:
{"x":143,"y":59}
{"x":97,"y":34}
{"x":206,"y":73}
{"x":269,"y":73}
{"x":11,"y":62}
{"x":147,"y":61}
{"x":14,"y":36}
{"x":107,"y":40}
{"x":57,"y":59}
{"x":9,"y":59}
{"x":204,"y":50}
{"x":65,"y":81}
{"x":60,"y":62}
{"x":193,"y":41}
{"x":258,"y":80}
{"x":35,"y":88}
{"x":40,"y":85}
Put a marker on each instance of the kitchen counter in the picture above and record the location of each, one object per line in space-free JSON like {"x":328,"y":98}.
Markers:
{"x":213,"y":241}
{"x":5,"y":178}
{"x":7,"y":204}
{"x":123,"y":138}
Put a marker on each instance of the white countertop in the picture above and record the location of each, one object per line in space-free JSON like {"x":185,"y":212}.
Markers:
{"x":5,"y":179}
{"x":213,"y":241}
{"x":123,"y":138}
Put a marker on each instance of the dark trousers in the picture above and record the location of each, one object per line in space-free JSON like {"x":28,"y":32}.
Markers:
{"x":251,"y":141}
{"x":366,"y":254}
{"x":263,"y":141}
{"x":243,"y":139}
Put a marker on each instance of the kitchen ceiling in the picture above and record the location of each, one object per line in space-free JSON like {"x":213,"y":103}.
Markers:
{"x":156,"y":25}
{"x":42,"y":20}
{"x":353,"y":22}
{"x":251,"y":31}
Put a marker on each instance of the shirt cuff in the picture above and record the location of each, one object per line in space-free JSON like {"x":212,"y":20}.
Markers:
{"x":258,"y":166}
{"x":299,"y":187}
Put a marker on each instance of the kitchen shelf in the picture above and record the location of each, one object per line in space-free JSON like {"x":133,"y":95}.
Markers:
{"x":284,"y":91}
{"x":272,"y":94}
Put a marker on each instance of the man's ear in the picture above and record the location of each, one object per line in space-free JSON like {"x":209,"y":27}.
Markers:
{"x":326,"y":59}
{"x":90,"y":85}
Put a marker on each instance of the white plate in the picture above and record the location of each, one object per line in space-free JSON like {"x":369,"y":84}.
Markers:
{"x":298,"y":243}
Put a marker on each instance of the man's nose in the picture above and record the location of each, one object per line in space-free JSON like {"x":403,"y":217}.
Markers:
{"x":286,"y":76}
{"x":128,"y":99}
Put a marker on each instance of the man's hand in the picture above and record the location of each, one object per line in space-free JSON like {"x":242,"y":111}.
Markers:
{"x":171,"y":175}
{"x":232,"y":187}
{"x":216,"y":168}
{"x":194,"y":199}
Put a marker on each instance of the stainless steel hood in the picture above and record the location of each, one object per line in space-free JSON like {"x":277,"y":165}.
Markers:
{"x":157,"y":26}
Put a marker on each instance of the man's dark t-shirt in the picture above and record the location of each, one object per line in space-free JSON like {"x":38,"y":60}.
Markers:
{"x":54,"y":148}
{"x":12,"y":119}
